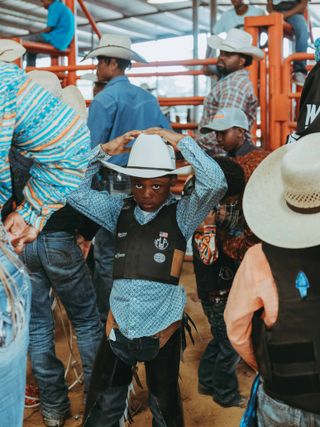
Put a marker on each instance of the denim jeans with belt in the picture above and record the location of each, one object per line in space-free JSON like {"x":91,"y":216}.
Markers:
{"x":55,"y":261}
{"x":274,"y":413}
{"x":112,"y":374}
{"x":15,"y":295}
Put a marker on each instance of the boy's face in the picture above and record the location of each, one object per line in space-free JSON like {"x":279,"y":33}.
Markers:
{"x":151,"y":193}
{"x":230,"y":139}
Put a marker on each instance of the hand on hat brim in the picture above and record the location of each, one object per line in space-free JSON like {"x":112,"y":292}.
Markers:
{"x":118,"y":145}
{"x":168,"y":135}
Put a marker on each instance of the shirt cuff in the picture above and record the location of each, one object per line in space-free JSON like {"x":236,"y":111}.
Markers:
{"x":35,"y":218}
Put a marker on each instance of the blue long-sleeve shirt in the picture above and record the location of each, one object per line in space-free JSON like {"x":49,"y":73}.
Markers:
{"x":142,"y":307}
{"x":119,"y":108}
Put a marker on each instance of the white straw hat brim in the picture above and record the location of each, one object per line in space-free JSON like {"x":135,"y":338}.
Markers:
{"x":147,"y":173}
{"x":267,"y":213}
{"x":216,"y":42}
{"x":115,"y":52}
{"x":10,"y":50}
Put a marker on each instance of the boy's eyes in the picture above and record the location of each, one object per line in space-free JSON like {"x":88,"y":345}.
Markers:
{"x":154,"y":187}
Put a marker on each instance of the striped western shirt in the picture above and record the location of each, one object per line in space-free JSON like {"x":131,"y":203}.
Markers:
{"x":45,"y":129}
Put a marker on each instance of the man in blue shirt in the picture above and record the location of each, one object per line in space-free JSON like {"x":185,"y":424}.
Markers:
{"x":118,"y":108}
{"x":59,"y":31}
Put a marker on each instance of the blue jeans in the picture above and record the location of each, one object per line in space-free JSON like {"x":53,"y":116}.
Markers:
{"x":112,"y":375}
{"x":273,"y":413}
{"x":31,"y":57}
{"x":103,"y":270}
{"x":301,"y":33}
{"x":217,"y":368}
{"x":15,"y":295}
{"x":55,"y":261}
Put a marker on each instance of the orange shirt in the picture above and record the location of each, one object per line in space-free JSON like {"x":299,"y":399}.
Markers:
{"x":253,"y":288}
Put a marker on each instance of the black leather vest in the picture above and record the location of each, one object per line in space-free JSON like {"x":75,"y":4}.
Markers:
{"x":153,"y":251}
{"x":288,"y":354}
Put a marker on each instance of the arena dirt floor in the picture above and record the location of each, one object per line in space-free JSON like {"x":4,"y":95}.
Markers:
{"x":200,"y":411}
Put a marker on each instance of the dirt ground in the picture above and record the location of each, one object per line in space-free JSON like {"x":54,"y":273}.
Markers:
{"x":199,"y":410}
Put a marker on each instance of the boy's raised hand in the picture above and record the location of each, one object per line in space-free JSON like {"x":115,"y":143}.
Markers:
{"x":119,"y":144}
{"x":169,"y":135}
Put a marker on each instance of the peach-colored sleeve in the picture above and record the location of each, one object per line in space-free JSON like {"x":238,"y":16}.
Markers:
{"x":252,"y":289}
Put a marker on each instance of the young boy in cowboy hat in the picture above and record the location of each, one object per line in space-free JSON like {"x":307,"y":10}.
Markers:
{"x":146,"y":305}
{"x":234,"y":89}
{"x":273,"y":310}
{"x":217,"y":368}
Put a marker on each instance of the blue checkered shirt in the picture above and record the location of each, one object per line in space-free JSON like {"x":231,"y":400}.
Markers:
{"x":142,"y":307}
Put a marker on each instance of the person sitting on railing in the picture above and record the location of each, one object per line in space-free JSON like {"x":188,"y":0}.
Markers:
{"x":292,"y":11}
{"x":59,"y":31}
{"x":234,"y":89}
{"x":231,"y":18}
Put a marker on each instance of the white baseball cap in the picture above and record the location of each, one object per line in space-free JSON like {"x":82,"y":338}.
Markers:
{"x":227,"y":118}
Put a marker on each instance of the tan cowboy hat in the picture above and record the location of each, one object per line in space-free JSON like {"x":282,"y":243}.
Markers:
{"x":237,"y":41}
{"x":10,"y":50}
{"x":70,"y":95}
{"x":115,"y":46}
{"x":281,"y":201}
{"x":150,"y":157}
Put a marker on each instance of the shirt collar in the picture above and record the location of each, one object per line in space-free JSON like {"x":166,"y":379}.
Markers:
{"x":118,"y":79}
{"x":150,"y":215}
{"x":245,"y":148}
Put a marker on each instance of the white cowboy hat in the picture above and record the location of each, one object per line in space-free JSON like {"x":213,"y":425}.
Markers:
{"x":115,"y":46}
{"x":237,"y":41}
{"x":47,"y":80}
{"x":10,"y":50}
{"x":281,"y":201}
{"x":70,"y":95}
{"x":150,"y":157}
{"x":227,"y":118}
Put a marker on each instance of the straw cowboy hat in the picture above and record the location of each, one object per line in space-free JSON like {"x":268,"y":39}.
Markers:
{"x":70,"y":95}
{"x":150,"y":157}
{"x":237,"y":41}
{"x":10,"y":50}
{"x":281,"y":201}
{"x":115,"y":46}
{"x":226,"y":118}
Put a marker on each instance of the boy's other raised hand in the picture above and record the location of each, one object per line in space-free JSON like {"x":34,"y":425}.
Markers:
{"x":119,"y":144}
{"x":169,"y":135}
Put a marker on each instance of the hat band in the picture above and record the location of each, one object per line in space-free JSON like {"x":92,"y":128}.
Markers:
{"x":303,"y":210}
{"x":155,"y":169}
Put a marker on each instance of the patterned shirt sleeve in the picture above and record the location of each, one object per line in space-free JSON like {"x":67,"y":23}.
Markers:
{"x":210,"y":187}
{"x":99,"y":206}
{"x":42,"y":128}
